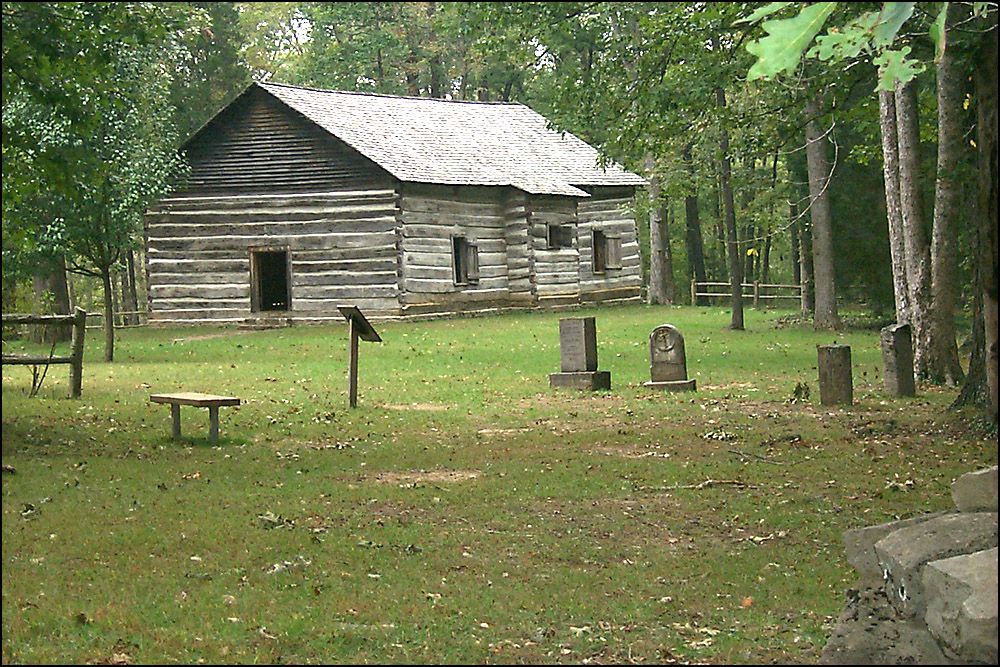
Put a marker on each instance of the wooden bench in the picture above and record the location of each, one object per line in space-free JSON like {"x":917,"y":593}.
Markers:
{"x":213,"y":403}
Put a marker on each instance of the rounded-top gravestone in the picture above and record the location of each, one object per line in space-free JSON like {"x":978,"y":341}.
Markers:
{"x":667,"y":360}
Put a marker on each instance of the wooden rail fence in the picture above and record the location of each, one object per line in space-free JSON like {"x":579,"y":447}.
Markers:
{"x":78,"y":320}
{"x":758,"y":292}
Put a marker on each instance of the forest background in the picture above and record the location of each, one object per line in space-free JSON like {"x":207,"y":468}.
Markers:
{"x":841,"y":146}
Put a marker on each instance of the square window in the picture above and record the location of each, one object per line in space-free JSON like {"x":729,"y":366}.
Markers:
{"x":560,"y":236}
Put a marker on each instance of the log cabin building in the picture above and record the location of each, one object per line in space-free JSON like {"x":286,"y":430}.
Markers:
{"x":299,"y":200}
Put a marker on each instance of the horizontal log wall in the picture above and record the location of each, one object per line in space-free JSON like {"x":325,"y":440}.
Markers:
{"x":609,"y":210}
{"x":556,"y":271}
{"x":430,"y":216}
{"x":258,"y":145}
{"x":343,"y":249}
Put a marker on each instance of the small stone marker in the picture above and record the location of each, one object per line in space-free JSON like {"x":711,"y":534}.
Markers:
{"x":358,"y":326}
{"x":667,"y":360}
{"x":835,"y":383}
{"x":897,"y":357}
{"x":578,"y":356}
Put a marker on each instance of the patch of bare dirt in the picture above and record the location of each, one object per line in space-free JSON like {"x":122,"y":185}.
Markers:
{"x":426,"y":476}
{"x":635,"y":452}
{"x":427,"y":407}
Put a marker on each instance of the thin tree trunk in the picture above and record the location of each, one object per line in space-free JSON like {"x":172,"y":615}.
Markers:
{"x":749,"y":257}
{"x":670,"y":289}
{"x":130,"y":296}
{"x":765,"y":261}
{"x":944,"y":365}
{"x":890,"y":176}
{"x":918,"y":259}
{"x":693,"y":238}
{"x":975,"y":388}
{"x":729,"y":207}
{"x":825,"y":316}
{"x":986,"y":142}
{"x":793,"y":229}
{"x":436,"y":64}
{"x":109,"y":322}
{"x":658,"y":240}
{"x":808,"y":302}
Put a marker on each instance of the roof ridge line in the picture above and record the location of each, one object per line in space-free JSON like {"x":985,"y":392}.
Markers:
{"x":395,"y":97}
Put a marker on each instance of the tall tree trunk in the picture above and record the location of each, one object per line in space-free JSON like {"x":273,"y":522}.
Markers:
{"x":669,"y":288}
{"x":808,"y":302}
{"x":890,"y":176}
{"x":729,"y":207}
{"x":793,"y":229}
{"x":765,"y":261}
{"x":658,"y":240}
{"x":986,"y":143}
{"x":918,"y":258}
{"x":944,"y":365}
{"x":749,"y":266}
{"x":693,"y":238}
{"x":975,"y":388}
{"x":52,"y":290}
{"x":436,"y":64}
{"x":822,"y":226}
{"x":109,"y":322}
{"x":130,"y":296}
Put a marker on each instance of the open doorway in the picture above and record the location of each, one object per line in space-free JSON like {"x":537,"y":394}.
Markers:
{"x":270,"y":273}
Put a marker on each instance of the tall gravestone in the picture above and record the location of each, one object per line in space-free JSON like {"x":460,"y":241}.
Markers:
{"x":897,"y":357}
{"x":667,"y":360}
{"x":836,"y":386}
{"x":578,"y":356}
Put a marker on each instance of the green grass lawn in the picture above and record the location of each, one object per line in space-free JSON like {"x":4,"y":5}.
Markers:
{"x":464,"y":512}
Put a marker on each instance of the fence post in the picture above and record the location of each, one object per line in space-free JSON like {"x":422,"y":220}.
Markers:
{"x":756,"y":294}
{"x":76,"y":353}
{"x":694,"y":291}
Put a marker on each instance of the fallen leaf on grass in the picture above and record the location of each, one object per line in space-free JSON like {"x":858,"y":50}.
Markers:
{"x":747,"y":602}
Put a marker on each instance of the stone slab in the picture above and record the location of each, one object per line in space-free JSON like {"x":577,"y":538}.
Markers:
{"x":836,"y":386}
{"x":859,"y":545}
{"x":903,"y":553}
{"x":897,"y":359}
{"x":676,"y":385}
{"x":577,"y":344}
{"x":976,"y":491}
{"x":588,"y":381}
{"x":961,"y":597}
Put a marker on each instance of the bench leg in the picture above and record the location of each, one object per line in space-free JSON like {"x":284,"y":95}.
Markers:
{"x":175,"y":418}
{"x":213,"y":424}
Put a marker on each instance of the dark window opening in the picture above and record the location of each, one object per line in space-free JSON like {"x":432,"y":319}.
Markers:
{"x":465,"y":261}
{"x":607,"y":252}
{"x":269,"y":271}
{"x":560,"y":236}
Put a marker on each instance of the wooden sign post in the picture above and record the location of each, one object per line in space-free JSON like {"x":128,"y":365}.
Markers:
{"x":357,"y":326}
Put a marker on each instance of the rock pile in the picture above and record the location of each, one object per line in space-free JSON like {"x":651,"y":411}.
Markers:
{"x":927,"y":589}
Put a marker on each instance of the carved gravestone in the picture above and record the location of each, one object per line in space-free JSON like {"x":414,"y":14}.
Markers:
{"x":667,"y":361}
{"x":836,"y":385}
{"x":897,"y":356}
{"x":578,"y":356}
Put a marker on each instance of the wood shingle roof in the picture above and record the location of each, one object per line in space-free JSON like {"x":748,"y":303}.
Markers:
{"x":448,"y":142}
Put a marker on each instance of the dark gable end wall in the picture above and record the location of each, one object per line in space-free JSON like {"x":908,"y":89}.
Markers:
{"x":264,"y":177}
